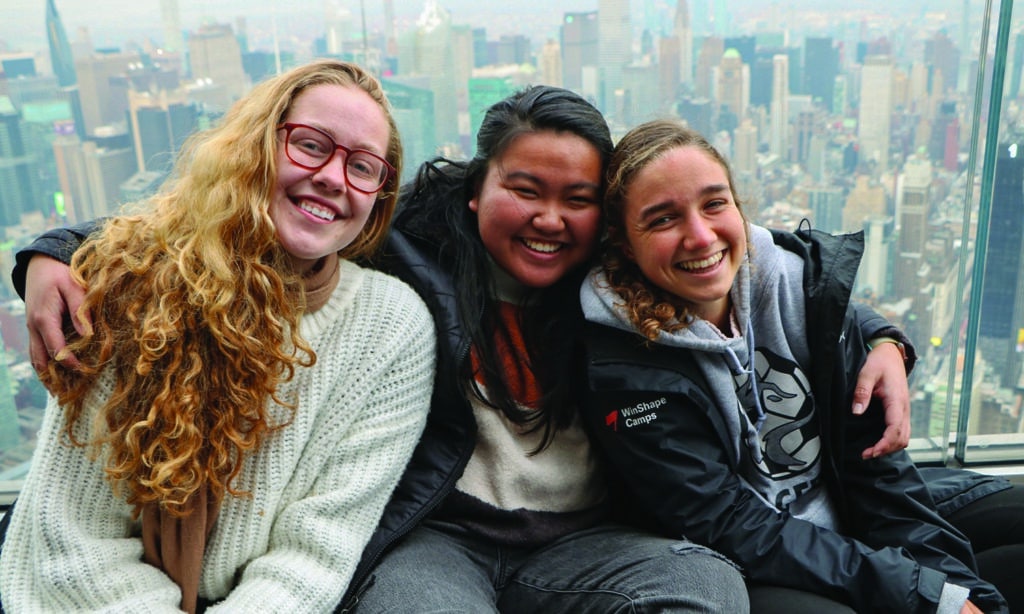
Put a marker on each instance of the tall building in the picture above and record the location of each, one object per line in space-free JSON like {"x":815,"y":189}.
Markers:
{"x":874,"y":118}
{"x":943,"y":57}
{"x":215,"y":59}
{"x":64,"y":64}
{"x":91,"y":177}
{"x":159,"y":123}
{"x":744,"y":149}
{"x":550,"y":63}
{"x":1004,"y":257}
{"x":339,"y":27}
{"x":668,"y":70}
{"x":912,"y":212}
{"x":17,"y":193}
{"x":97,"y":75}
{"x":37,"y":128}
{"x":513,"y":49}
{"x":867,"y":200}
{"x":711,"y":50}
{"x":579,"y":47}
{"x":778,"y":140}
{"x":826,"y":205}
{"x":699,"y":113}
{"x":412,"y":105}
{"x":640,"y":90}
{"x":821,"y":65}
{"x":874,"y":277}
{"x":428,"y":51}
{"x":170,"y":20}
{"x":683,"y":32}
{"x":615,"y":48}
{"x":731,"y":82}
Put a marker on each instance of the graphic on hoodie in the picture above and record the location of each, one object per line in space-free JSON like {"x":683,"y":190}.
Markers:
{"x":790,"y":442}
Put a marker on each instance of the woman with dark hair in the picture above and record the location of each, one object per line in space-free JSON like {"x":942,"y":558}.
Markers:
{"x":511,"y":498}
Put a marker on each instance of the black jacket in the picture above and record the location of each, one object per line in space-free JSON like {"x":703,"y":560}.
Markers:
{"x":897,"y":551}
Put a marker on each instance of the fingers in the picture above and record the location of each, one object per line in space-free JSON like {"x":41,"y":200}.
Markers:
{"x":893,"y":440}
{"x":51,"y":296}
{"x":884,"y":378}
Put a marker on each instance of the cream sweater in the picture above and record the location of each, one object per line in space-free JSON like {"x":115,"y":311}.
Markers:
{"x":318,"y":485}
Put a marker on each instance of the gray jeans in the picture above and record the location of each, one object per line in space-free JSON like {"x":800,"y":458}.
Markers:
{"x":609,"y":568}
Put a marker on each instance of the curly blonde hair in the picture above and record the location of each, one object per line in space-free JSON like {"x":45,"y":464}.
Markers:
{"x":649,"y":308}
{"x":196,"y":310}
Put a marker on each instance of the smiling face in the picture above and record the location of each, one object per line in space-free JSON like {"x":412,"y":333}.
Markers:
{"x":684,"y":230}
{"x":316,"y":212}
{"x":538,"y":207}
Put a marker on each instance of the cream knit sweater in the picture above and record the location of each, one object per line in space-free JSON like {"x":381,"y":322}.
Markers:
{"x":318,"y":485}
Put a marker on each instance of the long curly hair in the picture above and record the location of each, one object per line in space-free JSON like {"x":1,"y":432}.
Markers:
{"x":196,"y":309}
{"x":433,"y":211}
{"x":649,"y":308}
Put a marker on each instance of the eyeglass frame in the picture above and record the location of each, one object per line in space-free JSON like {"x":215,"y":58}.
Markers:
{"x":288,"y":127}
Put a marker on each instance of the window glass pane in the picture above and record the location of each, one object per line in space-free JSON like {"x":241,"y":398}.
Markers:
{"x":857,"y":116}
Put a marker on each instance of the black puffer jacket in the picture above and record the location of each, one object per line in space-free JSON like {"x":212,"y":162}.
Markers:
{"x":896,"y":552}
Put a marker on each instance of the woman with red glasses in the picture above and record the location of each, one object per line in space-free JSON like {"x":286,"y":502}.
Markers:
{"x":246,"y":397}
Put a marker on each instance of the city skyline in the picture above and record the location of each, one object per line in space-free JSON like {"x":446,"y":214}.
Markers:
{"x":114,"y":23}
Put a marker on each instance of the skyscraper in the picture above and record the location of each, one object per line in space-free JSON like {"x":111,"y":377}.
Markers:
{"x":16,"y":188}
{"x":913,"y":210}
{"x":579,"y":47}
{"x":732,"y":87}
{"x":215,"y":58}
{"x":821,"y":65}
{"x":875,"y":116}
{"x":1004,"y":258}
{"x":428,"y":51}
{"x":96,"y":76}
{"x":159,"y":123}
{"x":170,"y":20}
{"x":683,"y":32}
{"x":615,"y":48}
{"x":778,"y":141}
{"x":64,"y":64}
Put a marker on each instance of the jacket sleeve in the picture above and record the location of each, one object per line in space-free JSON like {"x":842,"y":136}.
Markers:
{"x":675,"y":464}
{"x":58,"y":243}
{"x":886,"y":499}
{"x":874,"y":325}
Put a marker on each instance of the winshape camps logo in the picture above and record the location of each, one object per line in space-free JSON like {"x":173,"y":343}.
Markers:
{"x":634,"y":415}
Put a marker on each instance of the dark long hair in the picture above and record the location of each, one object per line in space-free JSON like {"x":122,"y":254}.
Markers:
{"x":434,"y":211}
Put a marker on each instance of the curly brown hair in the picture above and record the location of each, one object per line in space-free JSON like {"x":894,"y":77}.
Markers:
{"x":196,"y":309}
{"x":649,"y":308}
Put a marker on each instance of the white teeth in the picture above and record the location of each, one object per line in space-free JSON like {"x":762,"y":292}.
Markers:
{"x":696,"y":265}
{"x":320,"y":212}
{"x":547,"y":248}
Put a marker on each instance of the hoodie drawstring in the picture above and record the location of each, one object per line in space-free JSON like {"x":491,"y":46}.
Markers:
{"x":753,"y":427}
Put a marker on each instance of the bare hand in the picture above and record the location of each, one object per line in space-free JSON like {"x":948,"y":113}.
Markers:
{"x":52,"y":299}
{"x":884,"y":377}
{"x":970,"y":608}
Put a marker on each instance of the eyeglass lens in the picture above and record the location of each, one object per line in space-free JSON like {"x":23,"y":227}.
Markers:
{"x":312,"y":149}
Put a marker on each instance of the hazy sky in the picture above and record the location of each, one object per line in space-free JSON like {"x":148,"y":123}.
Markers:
{"x":112,"y":23}
{"x":22,"y":21}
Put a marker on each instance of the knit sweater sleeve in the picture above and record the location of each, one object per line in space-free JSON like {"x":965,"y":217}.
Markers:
{"x":72,"y":545}
{"x":317,"y":485}
{"x":371,"y":390}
